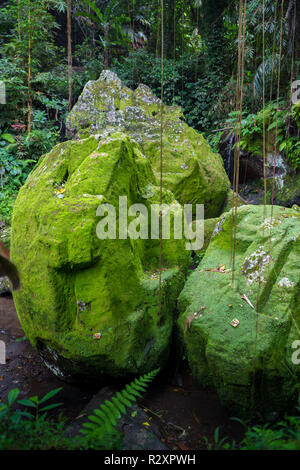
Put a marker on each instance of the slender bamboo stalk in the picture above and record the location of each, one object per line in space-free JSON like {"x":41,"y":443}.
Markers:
{"x":237,"y":98}
{"x":29,"y":69}
{"x":161,"y":165}
{"x":19,"y":24}
{"x":263,"y":104}
{"x":277,"y":105}
{"x":69,"y":32}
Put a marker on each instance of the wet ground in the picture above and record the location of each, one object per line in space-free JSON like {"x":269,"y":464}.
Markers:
{"x":184,"y":413}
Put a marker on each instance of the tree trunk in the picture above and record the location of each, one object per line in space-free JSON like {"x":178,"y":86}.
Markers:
{"x":106,"y":49}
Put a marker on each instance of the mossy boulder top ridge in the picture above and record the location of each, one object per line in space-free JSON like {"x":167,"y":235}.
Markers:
{"x":191,"y":170}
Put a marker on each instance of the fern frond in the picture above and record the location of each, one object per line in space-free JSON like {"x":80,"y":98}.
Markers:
{"x":122,"y":399}
{"x":109,"y":416}
{"x":137,"y":385}
{"x":104,"y":419}
{"x":119,"y":405}
{"x":115,"y":411}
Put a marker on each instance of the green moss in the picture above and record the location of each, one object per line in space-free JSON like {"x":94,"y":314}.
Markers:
{"x":290,"y":191}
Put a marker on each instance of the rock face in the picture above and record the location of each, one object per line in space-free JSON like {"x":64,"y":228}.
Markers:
{"x":191,"y":170}
{"x":252,"y":167}
{"x":5,"y":285}
{"x":91,"y":305}
{"x":251,"y":163}
{"x":250,"y":364}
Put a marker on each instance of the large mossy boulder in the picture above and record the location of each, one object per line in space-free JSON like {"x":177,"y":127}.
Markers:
{"x":191,"y":170}
{"x":91,"y":305}
{"x":249,"y":362}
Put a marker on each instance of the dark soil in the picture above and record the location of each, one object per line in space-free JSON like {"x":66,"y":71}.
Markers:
{"x":188,"y":414}
{"x":184,"y":412}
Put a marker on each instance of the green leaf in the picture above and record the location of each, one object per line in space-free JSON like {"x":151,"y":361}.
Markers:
{"x":115,"y":411}
{"x":120,"y":405}
{"x":50,"y":395}
{"x":271,"y":126}
{"x":51,"y":407}
{"x":216,"y":436}
{"x":88,"y":425}
{"x":123,"y":399}
{"x":131,"y":390}
{"x":128,"y":395}
{"x":96,"y":420}
{"x":26,"y":402}
{"x":283,"y":146}
{"x":110,"y":416}
{"x":8,"y":137}
{"x":20,"y":340}
{"x":100,"y":414}
{"x":26,"y":414}
{"x":12,"y":396}
{"x":3,"y":412}
{"x":34,"y":399}
{"x":138,"y":386}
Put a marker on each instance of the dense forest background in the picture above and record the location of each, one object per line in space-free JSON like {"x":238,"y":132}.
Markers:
{"x":200,"y":68}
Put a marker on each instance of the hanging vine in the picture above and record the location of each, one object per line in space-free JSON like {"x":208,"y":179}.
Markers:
{"x":29,"y":106}
{"x":161,"y":165}
{"x":69,"y":53}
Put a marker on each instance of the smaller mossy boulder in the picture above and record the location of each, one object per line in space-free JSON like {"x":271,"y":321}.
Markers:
{"x":191,"y":170}
{"x":296,"y":113}
{"x":239,"y":336}
{"x":289,"y":194}
{"x":232,"y":199}
{"x":91,"y":305}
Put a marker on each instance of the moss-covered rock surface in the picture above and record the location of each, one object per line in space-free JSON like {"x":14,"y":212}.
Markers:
{"x":91,"y":305}
{"x":239,"y":336}
{"x":191,"y":170}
